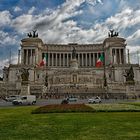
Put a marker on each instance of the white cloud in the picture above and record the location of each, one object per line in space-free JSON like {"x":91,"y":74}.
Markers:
{"x":31,"y":10}
{"x":134,"y":36}
{"x":100,"y":1}
{"x":4,"y":63}
{"x":56,"y":27}
{"x":48,"y":18}
{"x":5,"y":18}
{"x":6,"y":39}
{"x":94,"y":2}
{"x":134,"y":41}
{"x":17,"y":9}
{"x":133,"y":49}
{"x":125,"y":19}
{"x":23,"y":23}
{"x":14,"y":59}
{"x":134,"y":54}
{"x":27,"y":22}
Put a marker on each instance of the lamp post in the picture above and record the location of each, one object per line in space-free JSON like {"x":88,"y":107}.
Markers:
{"x":104,"y":77}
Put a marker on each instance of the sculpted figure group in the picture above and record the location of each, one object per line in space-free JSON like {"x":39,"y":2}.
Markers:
{"x":112,"y":33}
{"x":129,"y":75}
{"x":34,"y":34}
{"x":24,"y":74}
{"x":73,"y":53}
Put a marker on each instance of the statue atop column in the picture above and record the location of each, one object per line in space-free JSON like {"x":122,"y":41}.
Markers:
{"x":74,"y":53}
{"x":34,"y":34}
{"x":113,"y":34}
{"x":29,"y":34}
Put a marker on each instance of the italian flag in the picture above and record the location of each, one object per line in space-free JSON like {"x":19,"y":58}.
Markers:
{"x":43,"y":61}
{"x":100,"y":61}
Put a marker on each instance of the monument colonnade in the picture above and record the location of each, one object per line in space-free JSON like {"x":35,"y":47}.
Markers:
{"x":62,"y":59}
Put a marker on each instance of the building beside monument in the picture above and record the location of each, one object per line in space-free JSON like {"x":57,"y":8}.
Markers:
{"x":70,"y":69}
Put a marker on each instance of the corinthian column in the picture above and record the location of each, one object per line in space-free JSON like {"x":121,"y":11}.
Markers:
{"x":78,"y":58}
{"x":63,"y":59}
{"x":115,"y":57}
{"x":93,"y":59}
{"x":59,"y":59}
{"x":82,"y":59}
{"x":48,"y":59}
{"x":67,"y":59}
{"x":26,"y":57}
{"x":52,"y":59}
{"x":31,"y":56}
{"x":86,"y":59}
{"x":89,"y":59}
{"x":56,"y":59}
{"x":120,"y":56}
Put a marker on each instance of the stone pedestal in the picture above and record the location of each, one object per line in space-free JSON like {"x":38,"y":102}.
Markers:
{"x":25,"y":88}
{"x":18,"y":84}
{"x":130,"y":91}
{"x":74,"y":64}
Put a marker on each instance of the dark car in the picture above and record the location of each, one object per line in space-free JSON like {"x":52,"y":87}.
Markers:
{"x":64,"y":101}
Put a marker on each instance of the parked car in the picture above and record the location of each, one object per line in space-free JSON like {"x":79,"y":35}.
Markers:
{"x":72,"y":99}
{"x":65,"y":101}
{"x":26,"y":100}
{"x":11,"y":98}
{"x":94,"y":100}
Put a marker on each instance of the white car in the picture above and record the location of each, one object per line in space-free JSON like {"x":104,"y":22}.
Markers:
{"x":94,"y":100}
{"x":12,"y":97}
{"x":26,"y":100}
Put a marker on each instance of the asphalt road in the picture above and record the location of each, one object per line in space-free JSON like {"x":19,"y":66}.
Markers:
{"x":42,"y":102}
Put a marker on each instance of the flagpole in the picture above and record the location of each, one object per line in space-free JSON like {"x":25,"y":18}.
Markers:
{"x":138,"y":56}
{"x":128,"y":56}
{"x":10,"y":57}
{"x":46,"y":68}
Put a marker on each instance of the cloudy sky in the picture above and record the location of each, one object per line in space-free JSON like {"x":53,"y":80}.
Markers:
{"x":65,"y":21}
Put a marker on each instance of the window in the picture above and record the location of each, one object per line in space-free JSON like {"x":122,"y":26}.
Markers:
{"x":74,"y":78}
{"x":38,"y":76}
{"x":24,"y":98}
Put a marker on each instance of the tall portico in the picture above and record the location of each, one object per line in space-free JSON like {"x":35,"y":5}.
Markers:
{"x":115,"y":50}
{"x":31,"y":51}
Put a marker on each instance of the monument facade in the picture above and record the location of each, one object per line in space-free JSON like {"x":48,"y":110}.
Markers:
{"x":71,"y":68}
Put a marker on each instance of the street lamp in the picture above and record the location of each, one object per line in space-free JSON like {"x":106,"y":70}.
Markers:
{"x":104,"y":77}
